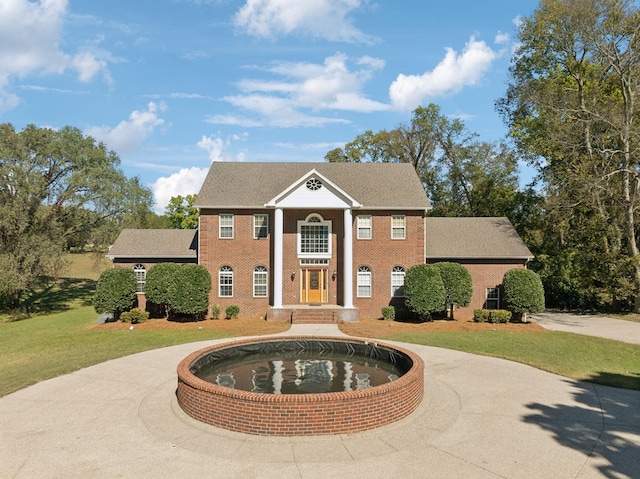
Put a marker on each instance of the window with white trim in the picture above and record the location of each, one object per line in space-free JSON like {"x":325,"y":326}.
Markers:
{"x":364,"y":282}
{"x":225,"y":282}
{"x":314,"y":237}
{"x":397,"y":282}
{"x":492,"y":298}
{"x":141,"y":277}
{"x":260,"y":226}
{"x":398,"y":227}
{"x":260,"y":282}
{"x":364,"y":227}
{"x":226,"y":226}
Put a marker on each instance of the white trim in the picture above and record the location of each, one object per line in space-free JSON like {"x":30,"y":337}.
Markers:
{"x":347,"y":273}
{"x":220,"y":226}
{"x":369,"y":227}
{"x":254,"y":225}
{"x":277,"y":257}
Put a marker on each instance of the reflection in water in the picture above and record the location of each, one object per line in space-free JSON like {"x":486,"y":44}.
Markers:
{"x":300,"y":374}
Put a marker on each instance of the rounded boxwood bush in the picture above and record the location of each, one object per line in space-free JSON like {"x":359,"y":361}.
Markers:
{"x":523,"y":291}
{"x":457,"y":283}
{"x":189,"y":291}
{"x":115,"y":291}
{"x":424,"y":291}
{"x":158,"y":282}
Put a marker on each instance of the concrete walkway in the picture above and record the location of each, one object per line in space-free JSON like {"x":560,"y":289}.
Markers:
{"x":481,"y":418}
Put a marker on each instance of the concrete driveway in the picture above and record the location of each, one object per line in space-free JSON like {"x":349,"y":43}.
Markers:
{"x":590,"y":325}
{"x":481,"y":417}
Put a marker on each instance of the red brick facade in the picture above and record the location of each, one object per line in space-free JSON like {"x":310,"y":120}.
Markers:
{"x":243,"y":253}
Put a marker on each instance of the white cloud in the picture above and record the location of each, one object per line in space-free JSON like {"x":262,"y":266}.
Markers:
{"x":453,"y":73}
{"x":129,"y":134}
{"x":215,"y":147}
{"x":187,"y":181}
{"x":301,"y":90}
{"x":327,"y":19}
{"x":30,"y":35}
{"x":502,"y":38}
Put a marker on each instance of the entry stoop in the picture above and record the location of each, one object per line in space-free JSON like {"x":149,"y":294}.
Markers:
{"x":314,"y":315}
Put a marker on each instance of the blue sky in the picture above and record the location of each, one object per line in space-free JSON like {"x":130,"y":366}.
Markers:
{"x":172,"y":85}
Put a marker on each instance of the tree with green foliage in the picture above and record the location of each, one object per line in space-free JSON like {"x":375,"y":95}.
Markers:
{"x":572,"y":110}
{"x":523,"y":291}
{"x":457,"y":283}
{"x":115,"y":291}
{"x":58,"y":189}
{"x":181,"y":212}
{"x":424,"y":290}
{"x":462,"y":176}
{"x":189,"y":291}
{"x":158,"y":284}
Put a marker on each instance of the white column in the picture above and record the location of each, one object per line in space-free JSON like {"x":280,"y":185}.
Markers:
{"x":277,"y":258}
{"x":347,"y":272}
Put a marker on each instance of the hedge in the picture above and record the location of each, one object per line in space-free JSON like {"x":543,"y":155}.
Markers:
{"x":115,"y":291}
{"x":523,"y":291}
{"x":424,"y":291}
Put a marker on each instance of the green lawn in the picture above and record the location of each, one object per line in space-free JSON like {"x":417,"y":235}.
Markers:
{"x":43,"y":347}
{"x":55,"y":339}
{"x":575,"y":356}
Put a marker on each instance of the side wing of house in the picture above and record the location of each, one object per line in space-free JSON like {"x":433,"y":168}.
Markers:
{"x":487,"y":247}
{"x":140,"y":249}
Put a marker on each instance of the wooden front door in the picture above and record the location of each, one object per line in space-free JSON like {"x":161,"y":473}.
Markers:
{"x":314,"y":285}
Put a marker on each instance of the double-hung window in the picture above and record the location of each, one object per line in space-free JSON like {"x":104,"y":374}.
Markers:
{"x":364,"y":282}
{"x":364,"y":227}
{"x":226,"y":226}
{"x":141,"y":276}
{"x":225,"y":282}
{"x":260,"y":279}
{"x":398,"y":227}
{"x":260,"y":226}
{"x":397,"y":282}
{"x":492,"y":298}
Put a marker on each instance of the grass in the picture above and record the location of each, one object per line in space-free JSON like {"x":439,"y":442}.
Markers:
{"x":57,"y":338}
{"x":583,"y":358}
{"x":44,"y":347}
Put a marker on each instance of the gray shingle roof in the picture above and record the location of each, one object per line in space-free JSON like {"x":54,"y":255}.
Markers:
{"x":474,"y":238}
{"x":252,"y":185}
{"x":139,"y":243}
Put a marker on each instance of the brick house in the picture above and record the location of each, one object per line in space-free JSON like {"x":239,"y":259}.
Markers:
{"x":289,"y":240}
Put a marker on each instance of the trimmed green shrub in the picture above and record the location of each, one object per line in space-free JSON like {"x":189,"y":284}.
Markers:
{"x":480,"y":315}
{"x":457,"y":283}
{"x":135,"y":316}
{"x":158,"y":283}
{"x":389,"y":313}
{"x":232,"y":311}
{"x":215,"y":311}
{"x":189,"y":291}
{"x":523,"y":291}
{"x":424,"y":291}
{"x":499,"y":316}
{"x":115,"y":291}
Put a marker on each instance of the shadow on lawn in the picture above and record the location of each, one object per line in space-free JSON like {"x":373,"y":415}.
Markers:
{"x":604,"y":424}
{"x":60,"y":295}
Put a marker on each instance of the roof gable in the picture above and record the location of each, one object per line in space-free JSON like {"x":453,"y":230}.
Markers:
{"x":311,"y":190}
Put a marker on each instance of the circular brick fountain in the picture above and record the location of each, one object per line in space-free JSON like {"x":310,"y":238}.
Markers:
{"x":300,"y":414}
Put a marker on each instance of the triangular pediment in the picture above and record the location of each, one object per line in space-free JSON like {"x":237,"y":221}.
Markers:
{"x":313,"y":190}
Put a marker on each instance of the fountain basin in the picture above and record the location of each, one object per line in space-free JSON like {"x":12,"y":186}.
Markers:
{"x":309,"y":414}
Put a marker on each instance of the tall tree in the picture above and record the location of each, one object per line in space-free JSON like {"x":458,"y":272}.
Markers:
{"x":181,"y":213}
{"x":57,"y":188}
{"x":462,"y":176}
{"x":572,"y":109}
